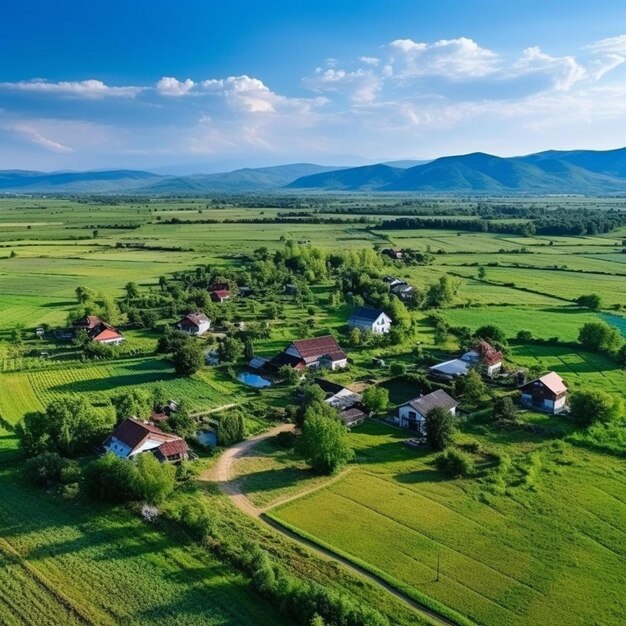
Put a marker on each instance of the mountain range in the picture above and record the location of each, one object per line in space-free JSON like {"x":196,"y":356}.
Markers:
{"x":589,"y":172}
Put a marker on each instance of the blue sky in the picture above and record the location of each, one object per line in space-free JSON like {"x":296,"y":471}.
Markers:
{"x":205,"y":85}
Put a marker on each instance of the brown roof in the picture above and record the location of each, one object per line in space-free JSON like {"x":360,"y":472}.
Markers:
{"x":336,"y":356}
{"x":220,"y":294}
{"x":88,"y":322}
{"x":352,"y":415}
{"x":171,"y":448}
{"x":488,"y":354}
{"x":132,"y":432}
{"x":316,"y":347}
{"x":195,"y":319}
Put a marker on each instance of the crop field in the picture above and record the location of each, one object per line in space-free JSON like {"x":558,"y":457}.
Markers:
{"x":550,"y":553}
{"x":75,"y":564}
{"x":31,"y":391}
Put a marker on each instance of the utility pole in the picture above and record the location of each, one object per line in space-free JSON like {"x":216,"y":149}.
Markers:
{"x":438,"y":566}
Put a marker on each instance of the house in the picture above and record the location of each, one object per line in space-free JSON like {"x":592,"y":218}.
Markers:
{"x":220,"y":295}
{"x":346,"y":401}
{"x":483,"y":357}
{"x":163,"y":413}
{"x":402,"y":290}
{"x":392,"y":253}
{"x":548,"y":393}
{"x":257,"y":363}
{"x":99,"y":331}
{"x":132,"y":437}
{"x":315,"y":352}
{"x":194,"y":324}
{"x":486,"y":357}
{"x":373,"y":320}
{"x":412,"y":415}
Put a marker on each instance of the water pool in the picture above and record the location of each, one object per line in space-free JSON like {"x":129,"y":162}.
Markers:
{"x":253,"y":380}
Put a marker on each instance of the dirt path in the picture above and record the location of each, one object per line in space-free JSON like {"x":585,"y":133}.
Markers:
{"x":222,"y":474}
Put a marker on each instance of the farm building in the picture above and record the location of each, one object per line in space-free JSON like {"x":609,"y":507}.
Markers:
{"x":99,"y":331}
{"x":194,"y":324}
{"x":483,"y":357}
{"x":132,"y":437}
{"x":372,"y":320}
{"x":220,"y":295}
{"x":315,"y":352}
{"x":547,"y":393}
{"x":163,"y":413}
{"x":392,"y":253}
{"x":412,"y":415}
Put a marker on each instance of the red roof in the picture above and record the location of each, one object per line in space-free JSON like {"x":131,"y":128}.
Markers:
{"x":133,"y":432}
{"x":488,"y":354}
{"x":221,"y":294}
{"x":336,"y":356}
{"x":88,"y":322}
{"x":317,"y":347}
{"x":172,"y":448}
{"x":107,"y":334}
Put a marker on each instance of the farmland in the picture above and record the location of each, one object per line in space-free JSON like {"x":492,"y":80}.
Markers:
{"x":540,"y":541}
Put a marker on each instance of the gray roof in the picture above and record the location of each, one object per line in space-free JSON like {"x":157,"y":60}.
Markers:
{"x":439,"y":398}
{"x":366,"y":314}
{"x":455,"y":367}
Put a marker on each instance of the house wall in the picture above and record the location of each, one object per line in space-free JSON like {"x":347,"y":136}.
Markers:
{"x":492,"y":370}
{"x":406,"y":412}
{"x":112,"y":342}
{"x":380,"y":326}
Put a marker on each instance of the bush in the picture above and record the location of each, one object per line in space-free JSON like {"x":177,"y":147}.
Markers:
{"x":397,"y":369}
{"x":113,"y":479}
{"x":45,"y":468}
{"x":455,"y":463}
{"x":591,"y":407}
{"x":155,"y":481}
{"x":376,"y":399}
{"x":504,"y":409}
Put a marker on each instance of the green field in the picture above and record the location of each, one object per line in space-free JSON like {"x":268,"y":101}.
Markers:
{"x":552,"y":553}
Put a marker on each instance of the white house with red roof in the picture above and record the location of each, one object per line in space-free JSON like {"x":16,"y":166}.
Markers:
{"x":547,"y":393}
{"x":99,"y":331}
{"x":132,"y":437}
{"x":314,"y":352}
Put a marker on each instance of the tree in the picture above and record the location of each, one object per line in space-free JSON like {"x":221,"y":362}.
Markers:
{"x":440,"y":428}
{"x":600,"y":337}
{"x":131,"y":403}
{"x":491,"y":333}
{"x":113,"y":479}
{"x":590,"y":301}
{"x":181,"y":421}
{"x":482,"y":273}
{"x":471,"y":386}
{"x":356,"y":337}
{"x":231,"y":428}
{"x":187,"y":358}
{"x":288,"y":374}
{"x":397,"y":369}
{"x":376,"y":399}
{"x":621,"y":355}
{"x":443,"y":292}
{"x":132,"y":290}
{"x":155,"y":481}
{"x":69,"y":425}
{"x":593,"y":406}
{"x":504,"y":409}
{"x":83,"y":294}
{"x":230,"y":350}
{"x":324,"y":441}
{"x":249,"y":349}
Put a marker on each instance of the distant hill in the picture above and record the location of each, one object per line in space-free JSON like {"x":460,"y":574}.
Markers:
{"x":591,"y":172}
{"x":75,"y":182}
{"x":352,"y":179}
{"x":575,"y":172}
{"x":246,"y":179}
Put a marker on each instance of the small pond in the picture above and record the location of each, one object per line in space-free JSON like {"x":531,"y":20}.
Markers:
{"x":253,"y":380}
{"x":207,"y":438}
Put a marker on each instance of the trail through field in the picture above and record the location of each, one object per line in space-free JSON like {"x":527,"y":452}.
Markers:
{"x":222,"y":474}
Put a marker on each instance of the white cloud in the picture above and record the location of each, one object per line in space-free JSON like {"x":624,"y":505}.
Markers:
{"x":361,"y":85}
{"x":370,"y":60}
{"x":34,"y":136}
{"x":454,"y":59}
{"x":91,"y":89}
{"x":564,"y":71}
{"x":170,"y":86}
